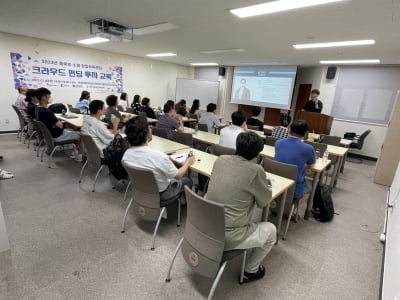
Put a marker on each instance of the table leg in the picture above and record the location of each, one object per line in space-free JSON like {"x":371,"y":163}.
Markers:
{"x":314,"y":188}
{"x":344,"y":160}
{"x":264,"y":215}
{"x":335,"y":173}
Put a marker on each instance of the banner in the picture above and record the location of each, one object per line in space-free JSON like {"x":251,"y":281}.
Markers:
{"x":54,"y":73}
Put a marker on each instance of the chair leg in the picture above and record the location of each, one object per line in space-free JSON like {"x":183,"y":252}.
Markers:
{"x":216,"y":280}
{"x":168,"y":279}
{"x":126,"y":213}
{"x":243,"y":265}
{"x":38,"y":148}
{"x":97,"y":175}
{"x":179,"y":214}
{"x":156,"y":228}
{"x":30,"y":137}
{"x":288,"y":223}
{"x":41,"y":157}
{"x":51,"y":156}
{"x":83,"y":168}
{"x":126,"y":190}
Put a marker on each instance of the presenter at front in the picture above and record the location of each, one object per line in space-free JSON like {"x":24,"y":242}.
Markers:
{"x":242,"y":93}
{"x":314,"y":104}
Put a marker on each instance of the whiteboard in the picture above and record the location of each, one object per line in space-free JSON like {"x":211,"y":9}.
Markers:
{"x":391,"y":269}
{"x":189,"y":89}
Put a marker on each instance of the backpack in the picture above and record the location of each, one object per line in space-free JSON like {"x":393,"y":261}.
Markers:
{"x":112,"y":158}
{"x":322,"y":209}
{"x":57,"y":108}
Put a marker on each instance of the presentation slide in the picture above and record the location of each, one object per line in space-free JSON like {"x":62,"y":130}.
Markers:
{"x":267,"y":86}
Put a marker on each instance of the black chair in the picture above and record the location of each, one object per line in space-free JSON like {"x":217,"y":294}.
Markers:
{"x":161,"y":132}
{"x":358,"y":143}
{"x":183,"y":138}
{"x":203,"y":127}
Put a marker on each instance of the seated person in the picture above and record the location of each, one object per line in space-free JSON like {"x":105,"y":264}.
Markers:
{"x":281,"y":132}
{"x":244,"y":188}
{"x":20,"y":103}
{"x":229,"y":134}
{"x":32,"y":100}
{"x":54,"y":125}
{"x":170,"y":180}
{"x":136,"y":103}
{"x":293,"y":151}
{"x":253,"y":121}
{"x":123,"y":101}
{"x":95,"y":128}
{"x":180,"y":108}
{"x":170,"y":121}
{"x":195,"y":109}
{"x":83,"y":103}
{"x":147,"y":109}
{"x":210,"y":118}
{"x":112,"y":111}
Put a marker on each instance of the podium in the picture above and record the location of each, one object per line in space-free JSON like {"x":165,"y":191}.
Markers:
{"x":317,"y":122}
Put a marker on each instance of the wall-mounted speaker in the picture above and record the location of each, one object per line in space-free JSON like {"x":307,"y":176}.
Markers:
{"x":331,"y":73}
{"x":221,"y":71}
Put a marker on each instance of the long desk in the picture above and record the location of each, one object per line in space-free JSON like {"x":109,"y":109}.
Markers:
{"x":129,"y":115}
{"x":76,"y":122}
{"x":165,"y":145}
{"x":204,"y":164}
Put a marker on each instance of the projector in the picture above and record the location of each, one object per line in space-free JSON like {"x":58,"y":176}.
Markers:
{"x":114,"y":30}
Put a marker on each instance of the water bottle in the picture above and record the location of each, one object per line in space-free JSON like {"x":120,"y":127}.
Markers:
{"x":317,"y":154}
{"x":196,"y":127}
{"x":325,"y":157}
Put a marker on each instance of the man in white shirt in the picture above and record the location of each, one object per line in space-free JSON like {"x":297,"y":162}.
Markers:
{"x":96,"y":129}
{"x":170,"y":180}
{"x":20,"y":102}
{"x":229,"y":134}
{"x":210,"y":118}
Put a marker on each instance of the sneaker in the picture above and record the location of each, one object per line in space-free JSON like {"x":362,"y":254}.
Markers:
{"x":6,"y":175}
{"x":248,"y":277}
{"x":78,"y":158}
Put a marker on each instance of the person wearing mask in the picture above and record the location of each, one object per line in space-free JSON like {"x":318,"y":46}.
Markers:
{"x":314,"y":104}
{"x":83,"y":103}
{"x":229,"y":134}
{"x":136,"y":103}
{"x":170,"y":180}
{"x":123,"y":101}
{"x":210,"y":118}
{"x":147,"y":109}
{"x":95,"y":128}
{"x":254,"y":121}
{"x":170,"y":121}
{"x":54,"y":125}
{"x":112,"y":111}
{"x":20,"y":102}
{"x":245,"y":188}
{"x":32,"y":100}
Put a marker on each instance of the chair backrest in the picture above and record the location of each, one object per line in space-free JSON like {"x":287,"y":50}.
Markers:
{"x":69,"y":107}
{"x":284,"y":170}
{"x":130,"y":110}
{"x":159,"y":132}
{"x":318,"y":146}
{"x":31,"y":126}
{"x":46,"y":135}
{"x":74,"y":110}
{"x":331,"y":140}
{"x":270,"y":141}
{"x":220,"y":150}
{"x":253,"y":127}
{"x":183,"y":138}
{"x":361,"y":139}
{"x":203,"y":127}
{"x":142,"y":113}
{"x":92,"y":151}
{"x":146,"y":197}
{"x":204,"y":235}
{"x":193,"y":116}
{"x":20,"y":117}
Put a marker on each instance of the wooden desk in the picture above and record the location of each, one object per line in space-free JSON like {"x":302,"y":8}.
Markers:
{"x":165,"y":145}
{"x":76,"y":122}
{"x":204,"y":164}
{"x":186,"y":119}
{"x":261,"y":134}
{"x":129,"y":115}
{"x":203,"y":136}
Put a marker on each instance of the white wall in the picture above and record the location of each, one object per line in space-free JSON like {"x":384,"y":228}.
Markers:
{"x":317,"y":77}
{"x":151,"y":78}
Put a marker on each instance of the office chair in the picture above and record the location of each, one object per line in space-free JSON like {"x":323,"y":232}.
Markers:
{"x":359,"y":143}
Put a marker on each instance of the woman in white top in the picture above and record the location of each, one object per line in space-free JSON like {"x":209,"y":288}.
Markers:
{"x":123,"y":101}
{"x":97,"y":129}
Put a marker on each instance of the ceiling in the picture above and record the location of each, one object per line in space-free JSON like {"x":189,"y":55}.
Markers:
{"x":208,"y":25}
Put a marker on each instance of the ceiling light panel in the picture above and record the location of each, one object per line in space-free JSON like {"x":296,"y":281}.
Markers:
{"x":351,"y":61}
{"x":160,"y":54}
{"x":335,"y":44}
{"x":204,"y":64}
{"x":93,"y":40}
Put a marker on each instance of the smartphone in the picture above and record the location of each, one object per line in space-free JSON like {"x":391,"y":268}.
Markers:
{"x":190,"y":153}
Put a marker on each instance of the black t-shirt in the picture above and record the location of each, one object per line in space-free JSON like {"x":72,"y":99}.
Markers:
{"x":149,"y":111}
{"x":49,"y":119}
{"x":310,"y":106}
{"x":255,"y":122}
{"x":31,"y":110}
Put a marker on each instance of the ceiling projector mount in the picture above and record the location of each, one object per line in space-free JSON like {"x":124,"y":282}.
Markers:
{"x":111,"y":30}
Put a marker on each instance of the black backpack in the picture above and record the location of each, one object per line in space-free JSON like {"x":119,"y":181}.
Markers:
{"x":57,"y":108}
{"x":113,"y":156}
{"x":322,"y":204}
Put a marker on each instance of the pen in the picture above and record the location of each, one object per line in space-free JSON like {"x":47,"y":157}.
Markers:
{"x":179,"y":156}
